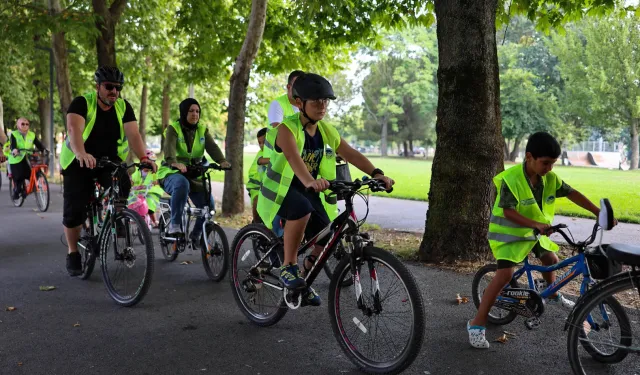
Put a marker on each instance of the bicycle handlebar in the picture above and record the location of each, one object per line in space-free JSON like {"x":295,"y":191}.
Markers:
{"x":203,"y":168}
{"x":338,"y":186}
{"x":104,"y":162}
{"x":558,"y":229}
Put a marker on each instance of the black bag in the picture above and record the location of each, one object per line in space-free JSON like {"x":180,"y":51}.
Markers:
{"x":601,"y":266}
{"x":342,"y":170}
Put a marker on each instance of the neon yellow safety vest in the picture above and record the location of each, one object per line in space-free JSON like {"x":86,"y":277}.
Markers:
{"x":152,"y":193}
{"x":508,"y":240}
{"x":277,"y":178}
{"x":67,"y":155}
{"x":6,"y":149}
{"x":255,"y":176}
{"x":270,"y":137}
{"x":21,"y":143}
{"x":182,"y":155}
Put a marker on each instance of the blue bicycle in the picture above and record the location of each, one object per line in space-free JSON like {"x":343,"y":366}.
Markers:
{"x":529,"y":302}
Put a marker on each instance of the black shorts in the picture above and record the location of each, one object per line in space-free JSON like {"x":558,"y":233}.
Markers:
{"x":298,"y":204}
{"x":537,"y":250}
{"x":78,"y":191}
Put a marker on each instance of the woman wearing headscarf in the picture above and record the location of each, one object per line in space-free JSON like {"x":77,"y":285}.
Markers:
{"x":186,"y":141}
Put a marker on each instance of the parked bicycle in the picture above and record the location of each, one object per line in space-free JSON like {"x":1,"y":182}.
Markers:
{"x":213,"y":243}
{"x":37,"y":184}
{"x":385,"y":295}
{"x":111,"y":232}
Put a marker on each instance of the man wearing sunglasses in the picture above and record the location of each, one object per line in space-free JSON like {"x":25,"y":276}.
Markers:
{"x":100,"y":124}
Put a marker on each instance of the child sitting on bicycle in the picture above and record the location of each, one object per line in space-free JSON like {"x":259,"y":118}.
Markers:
{"x":525,"y":203}
{"x":256,"y":171}
{"x":144,"y":182}
{"x":298,"y":162}
{"x":20,"y":140}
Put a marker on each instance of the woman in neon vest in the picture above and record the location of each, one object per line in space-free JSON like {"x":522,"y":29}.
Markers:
{"x":185,"y":142}
{"x":20,"y":169}
{"x":300,"y":161}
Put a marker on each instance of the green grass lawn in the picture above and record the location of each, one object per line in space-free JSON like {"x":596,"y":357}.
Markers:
{"x":413,"y":176}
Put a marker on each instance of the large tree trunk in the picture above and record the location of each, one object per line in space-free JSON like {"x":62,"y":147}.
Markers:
{"x":61,"y":63}
{"x":383,"y":137}
{"x":166,"y":109}
{"x":516,"y":149}
{"x":2,"y":128}
{"x":142,"y":119}
{"x":233,"y":196}
{"x":45,"y":122}
{"x":506,"y":149}
{"x":106,"y":22}
{"x":469,"y":120}
{"x":634,"y":144}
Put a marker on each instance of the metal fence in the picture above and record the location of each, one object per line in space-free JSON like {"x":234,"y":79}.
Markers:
{"x":596,"y":146}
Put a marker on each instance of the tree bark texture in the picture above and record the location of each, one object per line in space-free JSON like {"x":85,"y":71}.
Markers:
{"x":142,"y":119}
{"x":61,"y":63}
{"x":635,"y":157}
{"x":166,"y":109}
{"x":106,"y":22}
{"x":45,"y":121}
{"x":233,"y":196}
{"x":470,"y":147}
{"x":516,"y":149}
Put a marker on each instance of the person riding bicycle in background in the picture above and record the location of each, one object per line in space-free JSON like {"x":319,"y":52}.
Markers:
{"x":185,"y":142}
{"x":256,"y":171}
{"x":299,"y":161}
{"x":23,"y":139}
{"x":144,"y":182}
{"x":525,"y":202}
{"x":100,"y":125}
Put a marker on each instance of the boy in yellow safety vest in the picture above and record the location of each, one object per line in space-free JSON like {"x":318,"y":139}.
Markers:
{"x":525,"y":202}
{"x":256,"y":170}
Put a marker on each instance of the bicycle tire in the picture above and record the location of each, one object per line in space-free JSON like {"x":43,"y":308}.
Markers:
{"x":238,"y":240}
{"x":476,"y":298}
{"x":416,"y":337}
{"x":16,"y":202}
{"x":207,"y":255}
{"x":143,"y":288}
{"x":338,"y":255}
{"x":164,"y":245}
{"x":576,"y":327}
{"x":89,"y":254}
{"x":42,"y":197}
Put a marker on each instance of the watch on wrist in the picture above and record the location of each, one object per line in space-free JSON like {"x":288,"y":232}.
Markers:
{"x":376,"y":172}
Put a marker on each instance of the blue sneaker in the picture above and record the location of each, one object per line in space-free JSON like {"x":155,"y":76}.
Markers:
{"x":311,"y":298}
{"x":290,"y":277}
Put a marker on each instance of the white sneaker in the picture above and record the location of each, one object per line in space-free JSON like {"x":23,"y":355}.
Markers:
{"x":562,"y":301}
{"x":173,"y":229}
{"x":477,"y":337}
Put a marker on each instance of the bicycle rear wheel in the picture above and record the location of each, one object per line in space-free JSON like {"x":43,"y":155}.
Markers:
{"x":165,"y":246}
{"x":364,"y":332}
{"x":484,"y":275}
{"x":216,"y":258}
{"x":42,"y":191}
{"x":255,"y":287}
{"x":127,"y":265}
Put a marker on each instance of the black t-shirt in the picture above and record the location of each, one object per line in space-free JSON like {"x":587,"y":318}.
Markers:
{"x":103,"y":140}
{"x":311,"y":155}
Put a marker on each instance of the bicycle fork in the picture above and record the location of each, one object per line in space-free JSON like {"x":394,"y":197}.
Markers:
{"x":375,"y":288}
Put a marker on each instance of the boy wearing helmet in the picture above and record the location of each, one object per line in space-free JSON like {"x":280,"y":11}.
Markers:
{"x":299,"y":161}
{"x":100,"y":124}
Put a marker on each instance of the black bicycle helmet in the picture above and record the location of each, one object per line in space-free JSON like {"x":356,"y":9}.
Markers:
{"x":310,"y":86}
{"x":108,"y":74}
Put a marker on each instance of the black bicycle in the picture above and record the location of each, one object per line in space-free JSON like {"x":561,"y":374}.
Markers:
{"x":213,"y":243}
{"x":380,"y":330}
{"x":127,"y":264}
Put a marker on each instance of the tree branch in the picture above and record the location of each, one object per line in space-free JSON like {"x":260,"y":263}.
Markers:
{"x":116,"y":9}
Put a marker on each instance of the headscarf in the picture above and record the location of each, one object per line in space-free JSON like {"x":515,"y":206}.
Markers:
{"x":184,"y":111}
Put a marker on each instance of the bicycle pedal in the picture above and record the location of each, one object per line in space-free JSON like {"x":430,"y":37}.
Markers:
{"x":532,"y":323}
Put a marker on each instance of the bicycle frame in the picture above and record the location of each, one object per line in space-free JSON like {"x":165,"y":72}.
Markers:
{"x":32,"y":179}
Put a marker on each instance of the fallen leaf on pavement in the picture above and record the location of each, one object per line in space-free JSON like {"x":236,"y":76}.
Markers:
{"x":502,"y":339}
{"x":77,"y":325}
{"x":509,"y":333}
{"x":47,"y":288}
{"x":11,"y":308}
{"x":19,"y":363}
{"x":186,"y":262}
{"x":461,"y":299}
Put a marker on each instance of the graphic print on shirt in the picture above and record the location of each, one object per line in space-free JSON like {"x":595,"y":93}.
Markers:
{"x":312,"y":159}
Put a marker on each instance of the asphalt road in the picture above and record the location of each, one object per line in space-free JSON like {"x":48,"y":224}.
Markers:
{"x":189,"y":325}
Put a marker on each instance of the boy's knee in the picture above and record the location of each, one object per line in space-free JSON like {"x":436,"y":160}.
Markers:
{"x":549,"y":258}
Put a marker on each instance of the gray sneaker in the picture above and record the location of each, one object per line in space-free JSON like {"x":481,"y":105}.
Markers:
{"x":174,"y":230}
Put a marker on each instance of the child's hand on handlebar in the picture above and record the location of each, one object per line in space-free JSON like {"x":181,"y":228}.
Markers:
{"x":387,"y":181}
{"x":225,"y":165}
{"x":318,"y":185}
{"x":543,"y":229}
{"x":179,"y":166}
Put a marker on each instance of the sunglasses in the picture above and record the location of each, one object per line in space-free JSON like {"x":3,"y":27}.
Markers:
{"x":25,"y":124}
{"x":110,"y":87}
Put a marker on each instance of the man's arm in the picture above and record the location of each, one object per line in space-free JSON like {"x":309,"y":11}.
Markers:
{"x":136,"y":144}
{"x":3,"y":137}
{"x":584,"y":202}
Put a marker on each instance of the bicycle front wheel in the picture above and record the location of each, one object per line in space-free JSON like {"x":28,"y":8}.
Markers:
{"x":381,"y":328}
{"x":215,"y":258}
{"x":42,"y":191}
{"x":605,"y":327}
{"x":127,"y":264}
{"x":334,"y":260}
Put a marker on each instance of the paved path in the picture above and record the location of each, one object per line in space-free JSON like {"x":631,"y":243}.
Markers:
{"x":410,"y":216}
{"x":189,"y":325}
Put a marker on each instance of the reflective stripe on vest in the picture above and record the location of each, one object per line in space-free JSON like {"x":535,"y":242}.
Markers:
{"x":67,"y":155}
{"x":272,"y":132}
{"x":21,"y":143}
{"x":513,"y":242}
{"x":277,"y":179}
{"x":182,"y":154}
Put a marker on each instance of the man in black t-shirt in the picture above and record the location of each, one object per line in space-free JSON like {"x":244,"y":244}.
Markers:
{"x":100,"y":124}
